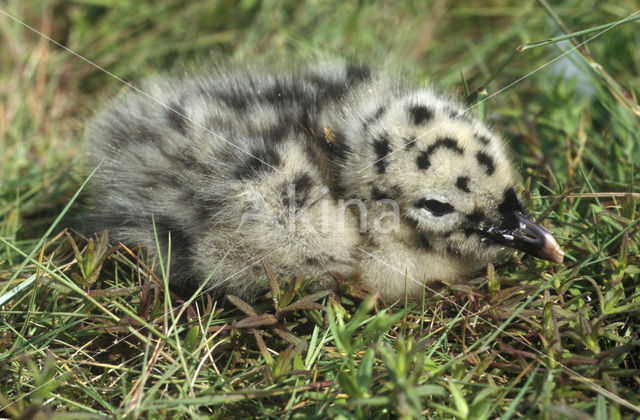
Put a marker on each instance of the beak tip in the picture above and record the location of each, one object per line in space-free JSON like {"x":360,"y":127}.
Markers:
{"x":551,"y":250}
{"x":558,"y":257}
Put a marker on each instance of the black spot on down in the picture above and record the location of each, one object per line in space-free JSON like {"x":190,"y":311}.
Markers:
{"x":420,"y":114}
{"x":375,"y":117}
{"x":234,"y":99}
{"x":423,"y":241}
{"x":476,"y":216}
{"x":447,"y":143}
{"x":380,"y":194}
{"x":463,"y":183}
{"x":338,"y":149}
{"x":301,"y":186}
{"x":259,"y":160}
{"x":486,"y":161}
{"x":423,"y":159}
{"x":482,"y":139}
{"x":175,"y":116}
{"x":382,"y":149}
{"x":509,"y":206}
{"x":357,"y":73}
{"x":410,"y":142}
{"x":510,"y":203}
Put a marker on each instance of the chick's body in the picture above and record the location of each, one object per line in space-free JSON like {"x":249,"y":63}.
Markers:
{"x":326,"y":168}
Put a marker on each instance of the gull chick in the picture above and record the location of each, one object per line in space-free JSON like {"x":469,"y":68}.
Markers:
{"x":330,"y":167}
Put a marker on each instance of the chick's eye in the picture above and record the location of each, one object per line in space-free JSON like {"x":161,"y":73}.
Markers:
{"x":435,"y":207}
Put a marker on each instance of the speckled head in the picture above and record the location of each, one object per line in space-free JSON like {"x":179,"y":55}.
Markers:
{"x":453,"y":180}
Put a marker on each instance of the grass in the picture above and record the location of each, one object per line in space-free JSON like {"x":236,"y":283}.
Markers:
{"x":88,"y":329}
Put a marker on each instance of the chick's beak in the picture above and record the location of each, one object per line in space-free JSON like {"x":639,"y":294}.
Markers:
{"x":528,"y":237}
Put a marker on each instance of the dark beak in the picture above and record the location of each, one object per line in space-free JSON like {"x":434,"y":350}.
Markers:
{"x":528,"y":237}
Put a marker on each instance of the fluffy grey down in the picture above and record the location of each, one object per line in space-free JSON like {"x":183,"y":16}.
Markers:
{"x":330,"y":167}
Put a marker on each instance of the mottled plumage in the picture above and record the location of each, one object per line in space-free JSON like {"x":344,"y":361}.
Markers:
{"x":328,"y":167}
